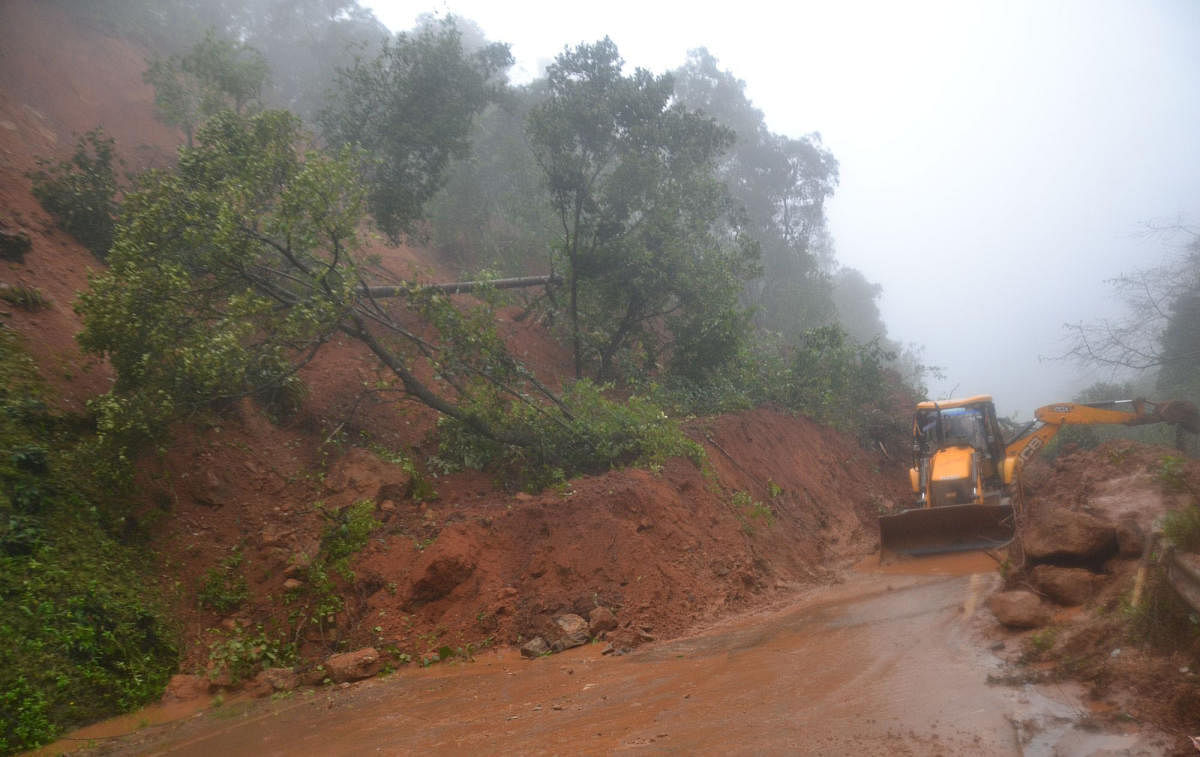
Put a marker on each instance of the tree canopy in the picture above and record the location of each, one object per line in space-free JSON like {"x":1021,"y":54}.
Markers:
{"x":409,"y":110}
{"x":783,"y":184}
{"x":648,"y":233}
{"x":215,"y":74}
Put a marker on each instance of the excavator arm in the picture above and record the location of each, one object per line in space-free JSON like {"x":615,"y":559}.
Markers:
{"x":1050,"y":419}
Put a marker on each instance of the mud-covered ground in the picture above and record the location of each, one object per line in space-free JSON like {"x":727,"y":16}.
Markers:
{"x":881,"y":663}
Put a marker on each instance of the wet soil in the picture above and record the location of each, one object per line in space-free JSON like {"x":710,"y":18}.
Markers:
{"x":881,"y":663}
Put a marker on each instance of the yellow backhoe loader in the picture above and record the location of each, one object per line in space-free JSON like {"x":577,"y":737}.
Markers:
{"x":965,"y":474}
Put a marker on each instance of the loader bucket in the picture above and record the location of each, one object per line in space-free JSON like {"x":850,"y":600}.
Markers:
{"x":954,"y":528}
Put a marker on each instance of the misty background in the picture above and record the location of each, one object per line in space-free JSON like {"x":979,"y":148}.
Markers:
{"x":999,"y":162}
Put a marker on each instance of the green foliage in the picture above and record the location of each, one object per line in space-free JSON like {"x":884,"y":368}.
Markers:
{"x":319,"y":600}
{"x":81,"y":635}
{"x":1182,"y":527}
{"x":410,"y":111}
{"x":421,"y":488}
{"x":214,"y":75}
{"x":494,"y":210}
{"x":783,"y":184}
{"x":189,"y":312}
{"x":25,"y":297}
{"x":1040,"y":642}
{"x":80,"y":193}
{"x":834,"y":380}
{"x":650,"y":240}
{"x":223,"y":587}
{"x":1164,"y":620}
{"x":594,"y":434}
{"x":749,"y":510}
{"x":241,"y":653}
{"x":348,"y":533}
{"x":827,"y":377}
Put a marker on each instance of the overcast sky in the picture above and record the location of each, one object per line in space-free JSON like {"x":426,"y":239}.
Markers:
{"x":998,"y":159}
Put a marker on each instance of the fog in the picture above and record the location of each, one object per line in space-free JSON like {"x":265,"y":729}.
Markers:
{"x":999,"y":161}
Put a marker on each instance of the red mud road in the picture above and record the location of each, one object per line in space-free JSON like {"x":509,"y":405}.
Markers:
{"x":882,"y":663}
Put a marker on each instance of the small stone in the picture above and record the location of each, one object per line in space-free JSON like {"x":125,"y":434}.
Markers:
{"x":601,"y":619}
{"x":292,"y":584}
{"x":279,"y":679}
{"x":535,"y":647}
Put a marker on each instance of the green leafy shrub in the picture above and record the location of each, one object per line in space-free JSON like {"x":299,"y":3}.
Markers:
{"x":224,"y":586}
{"x":1182,"y":527}
{"x":24,"y":297}
{"x":348,"y":533}
{"x":594,"y":434}
{"x":82,"y":636}
{"x":241,"y":653}
{"x":80,"y":193}
{"x":749,"y":510}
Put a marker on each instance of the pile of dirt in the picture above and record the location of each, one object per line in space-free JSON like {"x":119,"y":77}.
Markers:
{"x":1090,"y":589}
{"x":782,"y":503}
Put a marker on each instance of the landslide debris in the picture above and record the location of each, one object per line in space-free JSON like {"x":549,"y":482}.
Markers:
{"x":1091,"y":600}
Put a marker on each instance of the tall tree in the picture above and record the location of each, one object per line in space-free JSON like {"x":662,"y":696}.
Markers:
{"x":215,"y":74}
{"x":783,"y":184}
{"x":494,"y":211}
{"x":1160,"y":330}
{"x":231,"y":272}
{"x":410,"y":111}
{"x":649,"y":238}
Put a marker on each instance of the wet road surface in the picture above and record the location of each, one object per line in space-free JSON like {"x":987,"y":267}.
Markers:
{"x":882,"y":663}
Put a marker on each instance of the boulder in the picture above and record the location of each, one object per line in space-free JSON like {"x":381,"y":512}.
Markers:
{"x":185,"y":688}
{"x":353,"y":666}
{"x":535,"y":647}
{"x":1070,"y":535}
{"x":573,"y":632}
{"x":279,"y":679}
{"x":601,"y":619}
{"x":1067,"y":586}
{"x":1019,"y":609}
{"x":14,"y":245}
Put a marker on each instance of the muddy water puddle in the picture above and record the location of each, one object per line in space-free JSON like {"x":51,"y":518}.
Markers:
{"x":97,"y":733}
{"x":882,"y":663}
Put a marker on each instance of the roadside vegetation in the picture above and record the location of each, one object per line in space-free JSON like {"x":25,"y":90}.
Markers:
{"x":81,"y":636}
